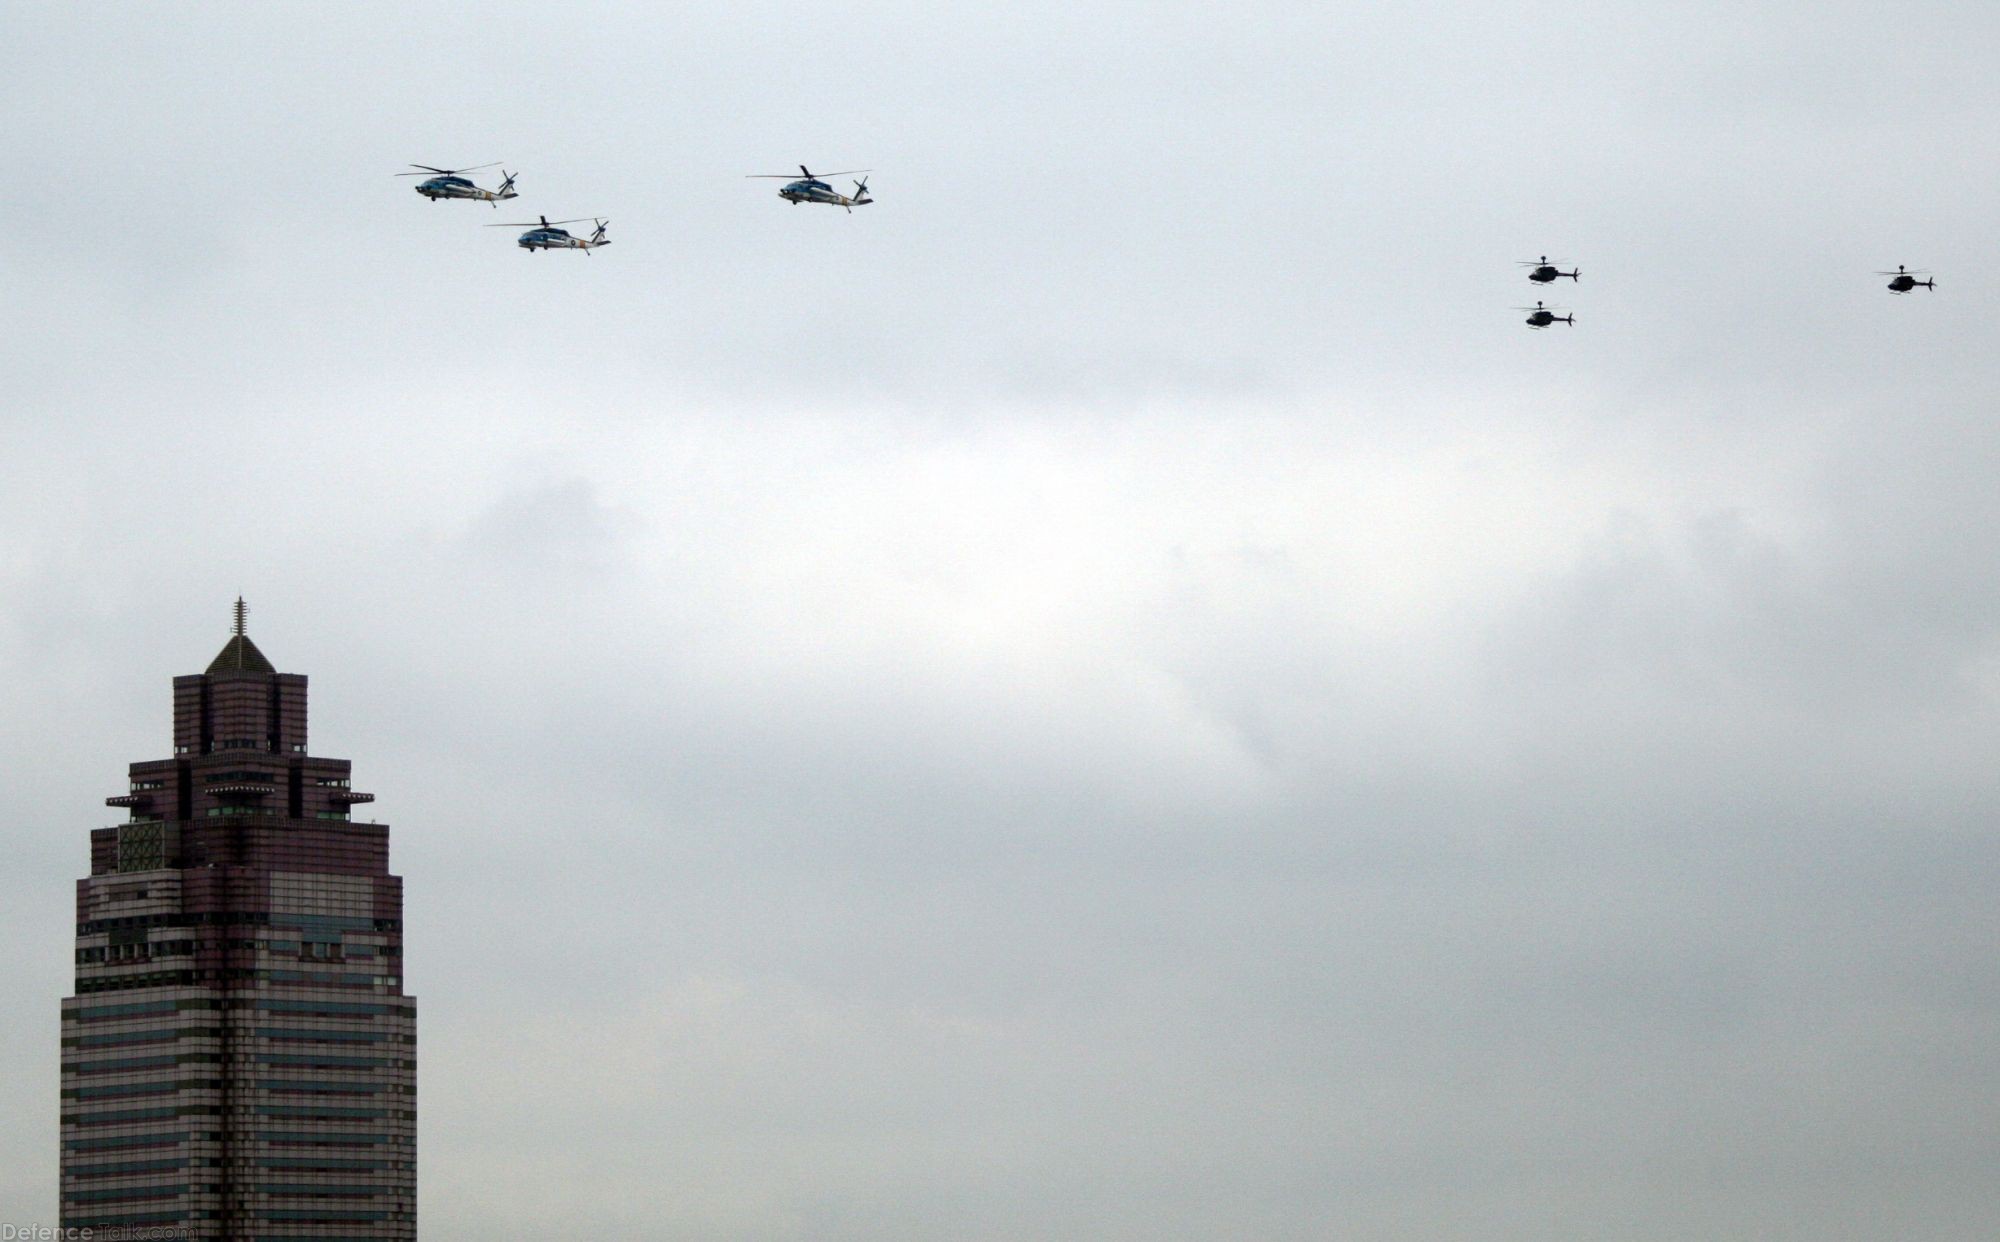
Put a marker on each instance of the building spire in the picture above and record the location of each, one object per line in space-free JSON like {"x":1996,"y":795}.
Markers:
{"x":239,"y":654}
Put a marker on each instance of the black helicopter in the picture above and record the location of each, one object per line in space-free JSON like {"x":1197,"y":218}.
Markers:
{"x":1544,"y":272}
{"x":1906,"y":280}
{"x":1542,"y":316}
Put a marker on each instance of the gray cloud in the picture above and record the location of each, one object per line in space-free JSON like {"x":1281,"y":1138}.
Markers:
{"x":1116,"y":693}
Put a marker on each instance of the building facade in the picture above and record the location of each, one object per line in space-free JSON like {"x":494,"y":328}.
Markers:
{"x":239,"y":1060}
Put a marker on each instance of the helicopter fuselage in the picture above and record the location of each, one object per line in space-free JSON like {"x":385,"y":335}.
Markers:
{"x":559,"y":239}
{"x":1903,"y":284}
{"x":458,"y":187}
{"x":1547,"y":274}
{"x":816,"y":191}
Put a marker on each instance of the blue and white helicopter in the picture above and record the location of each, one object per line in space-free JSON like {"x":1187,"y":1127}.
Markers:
{"x":542,"y":235}
{"x":810,"y":189}
{"x":449,"y":184}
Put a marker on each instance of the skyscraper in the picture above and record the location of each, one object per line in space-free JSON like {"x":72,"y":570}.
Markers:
{"x":239,"y":1059}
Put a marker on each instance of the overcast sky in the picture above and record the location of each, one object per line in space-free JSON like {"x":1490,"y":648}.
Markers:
{"x":1115,"y":693}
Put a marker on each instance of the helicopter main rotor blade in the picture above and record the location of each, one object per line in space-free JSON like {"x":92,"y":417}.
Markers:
{"x":448,"y":172}
{"x":536,"y":224}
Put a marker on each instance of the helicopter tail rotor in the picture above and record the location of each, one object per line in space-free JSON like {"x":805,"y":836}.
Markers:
{"x":861,"y":192}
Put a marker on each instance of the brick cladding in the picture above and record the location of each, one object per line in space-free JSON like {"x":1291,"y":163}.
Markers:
{"x":239,"y":1060}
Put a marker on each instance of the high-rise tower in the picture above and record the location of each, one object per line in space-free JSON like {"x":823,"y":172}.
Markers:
{"x":239,"y":1059}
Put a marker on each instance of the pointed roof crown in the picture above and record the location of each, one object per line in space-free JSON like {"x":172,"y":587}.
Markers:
{"x":239,"y":654}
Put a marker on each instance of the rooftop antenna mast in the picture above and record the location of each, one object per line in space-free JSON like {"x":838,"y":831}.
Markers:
{"x":240,"y":611}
